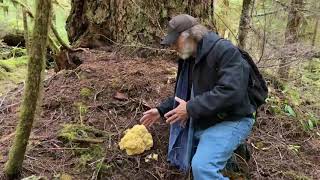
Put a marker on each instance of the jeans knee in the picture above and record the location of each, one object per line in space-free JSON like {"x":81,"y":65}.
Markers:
{"x":196,"y":164}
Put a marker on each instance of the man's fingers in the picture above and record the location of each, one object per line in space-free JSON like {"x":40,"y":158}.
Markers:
{"x":144,"y":118}
{"x":179,"y":100}
{"x":146,"y":122}
{"x":176,"y":119}
{"x":171,"y":118}
{"x":148,"y":112}
{"x":170,"y":113}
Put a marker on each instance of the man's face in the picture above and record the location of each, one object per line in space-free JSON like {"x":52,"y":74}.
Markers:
{"x":185,"y":46}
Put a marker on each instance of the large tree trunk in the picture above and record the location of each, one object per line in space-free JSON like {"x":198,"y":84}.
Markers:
{"x":244,"y":24}
{"x":291,"y":34}
{"x":33,"y":88}
{"x":94,"y":23}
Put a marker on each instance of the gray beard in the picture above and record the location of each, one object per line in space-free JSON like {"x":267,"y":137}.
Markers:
{"x":185,"y":56}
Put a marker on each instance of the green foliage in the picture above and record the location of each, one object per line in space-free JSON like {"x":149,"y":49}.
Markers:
{"x":275,"y":104}
{"x":12,"y":20}
{"x":289,"y":111}
{"x":294,"y":148}
{"x":94,"y":152}
{"x":82,"y":109}
{"x":12,"y":71}
{"x":312,"y":122}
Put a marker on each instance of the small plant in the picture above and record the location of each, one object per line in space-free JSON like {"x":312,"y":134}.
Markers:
{"x":82,"y":109}
{"x":289,"y":111}
{"x":294,"y":148}
{"x":86,"y":92}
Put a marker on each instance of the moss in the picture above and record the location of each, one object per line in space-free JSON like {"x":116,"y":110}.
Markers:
{"x":82,"y":109}
{"x":94,"y":152}
{"x":86,"y":92}
{"x":74,"y":132}
{"x":65,"y":176}
{"x":14,"y":63}
{"x":296,"y":175}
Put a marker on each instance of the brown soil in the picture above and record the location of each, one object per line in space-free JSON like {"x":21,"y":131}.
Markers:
{"x":138,"y":84}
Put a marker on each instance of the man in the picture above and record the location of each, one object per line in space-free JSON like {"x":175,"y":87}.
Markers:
{"x":211,"y":109}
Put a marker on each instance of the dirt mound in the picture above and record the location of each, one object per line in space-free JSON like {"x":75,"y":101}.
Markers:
{"x":85,"y":112}
{"x":109,"y":95}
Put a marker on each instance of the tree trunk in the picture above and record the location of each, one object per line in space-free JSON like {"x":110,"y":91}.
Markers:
{"x":92,"y":23}
{"x":315,"y":32}
{"x":291,"y":34}
{"x":95,"y":23}
{"x":26,"y":29}
{"x":244,"y":24}
{"x":33,"y":88}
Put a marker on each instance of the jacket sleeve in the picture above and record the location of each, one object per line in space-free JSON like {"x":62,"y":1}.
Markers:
{"x":166,"y":106}
{"x":231,"y":87}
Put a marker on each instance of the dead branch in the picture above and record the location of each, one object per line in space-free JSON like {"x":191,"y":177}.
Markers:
{"x":60,"y":40}
{"x":267,"y":13}
{"x":135,"y":46}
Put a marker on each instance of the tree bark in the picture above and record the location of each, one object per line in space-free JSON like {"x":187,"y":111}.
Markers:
{"x":315,"y":32}
{"x":26,"y":29}
{"x":95,"y":23}
{"x":244,"y":24}
{"x":291,"y":34}
{"x":33,"y":88}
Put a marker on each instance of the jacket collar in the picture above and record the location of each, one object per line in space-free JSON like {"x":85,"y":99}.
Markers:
{"x":205,"y":45}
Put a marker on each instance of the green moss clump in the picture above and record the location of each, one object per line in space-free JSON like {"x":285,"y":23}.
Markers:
{"x":76,"y":132}
{"x":65,"y":176}
{"x":86,"y":92}
{"x":12,"y":71}
{"x":94,"y":152}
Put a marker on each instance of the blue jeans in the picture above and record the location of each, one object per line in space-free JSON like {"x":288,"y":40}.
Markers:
{"x":216,"y":146}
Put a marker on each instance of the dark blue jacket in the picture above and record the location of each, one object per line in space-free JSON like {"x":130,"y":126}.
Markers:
{"x":220,"y":79}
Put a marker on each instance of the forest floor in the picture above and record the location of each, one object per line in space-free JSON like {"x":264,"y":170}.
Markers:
{"x":99,"y":100}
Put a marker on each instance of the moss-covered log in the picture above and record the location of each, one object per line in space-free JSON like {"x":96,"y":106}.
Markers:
{"x":33,"y":88}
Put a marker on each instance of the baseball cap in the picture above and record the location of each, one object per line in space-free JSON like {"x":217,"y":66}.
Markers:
{"x":177,"y":25}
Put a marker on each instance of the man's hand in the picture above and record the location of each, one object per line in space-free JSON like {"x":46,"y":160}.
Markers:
{"x":149,"y":117}
{"x":178,"y":114}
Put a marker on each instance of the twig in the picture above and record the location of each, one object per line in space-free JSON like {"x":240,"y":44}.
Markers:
{"x":4,"y":97}
{"x":155,"y":177}
{"x":226,"y":26}
{"x":136,"y":46}
{"x":6,"y":107}
{"x":7,"y":137}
